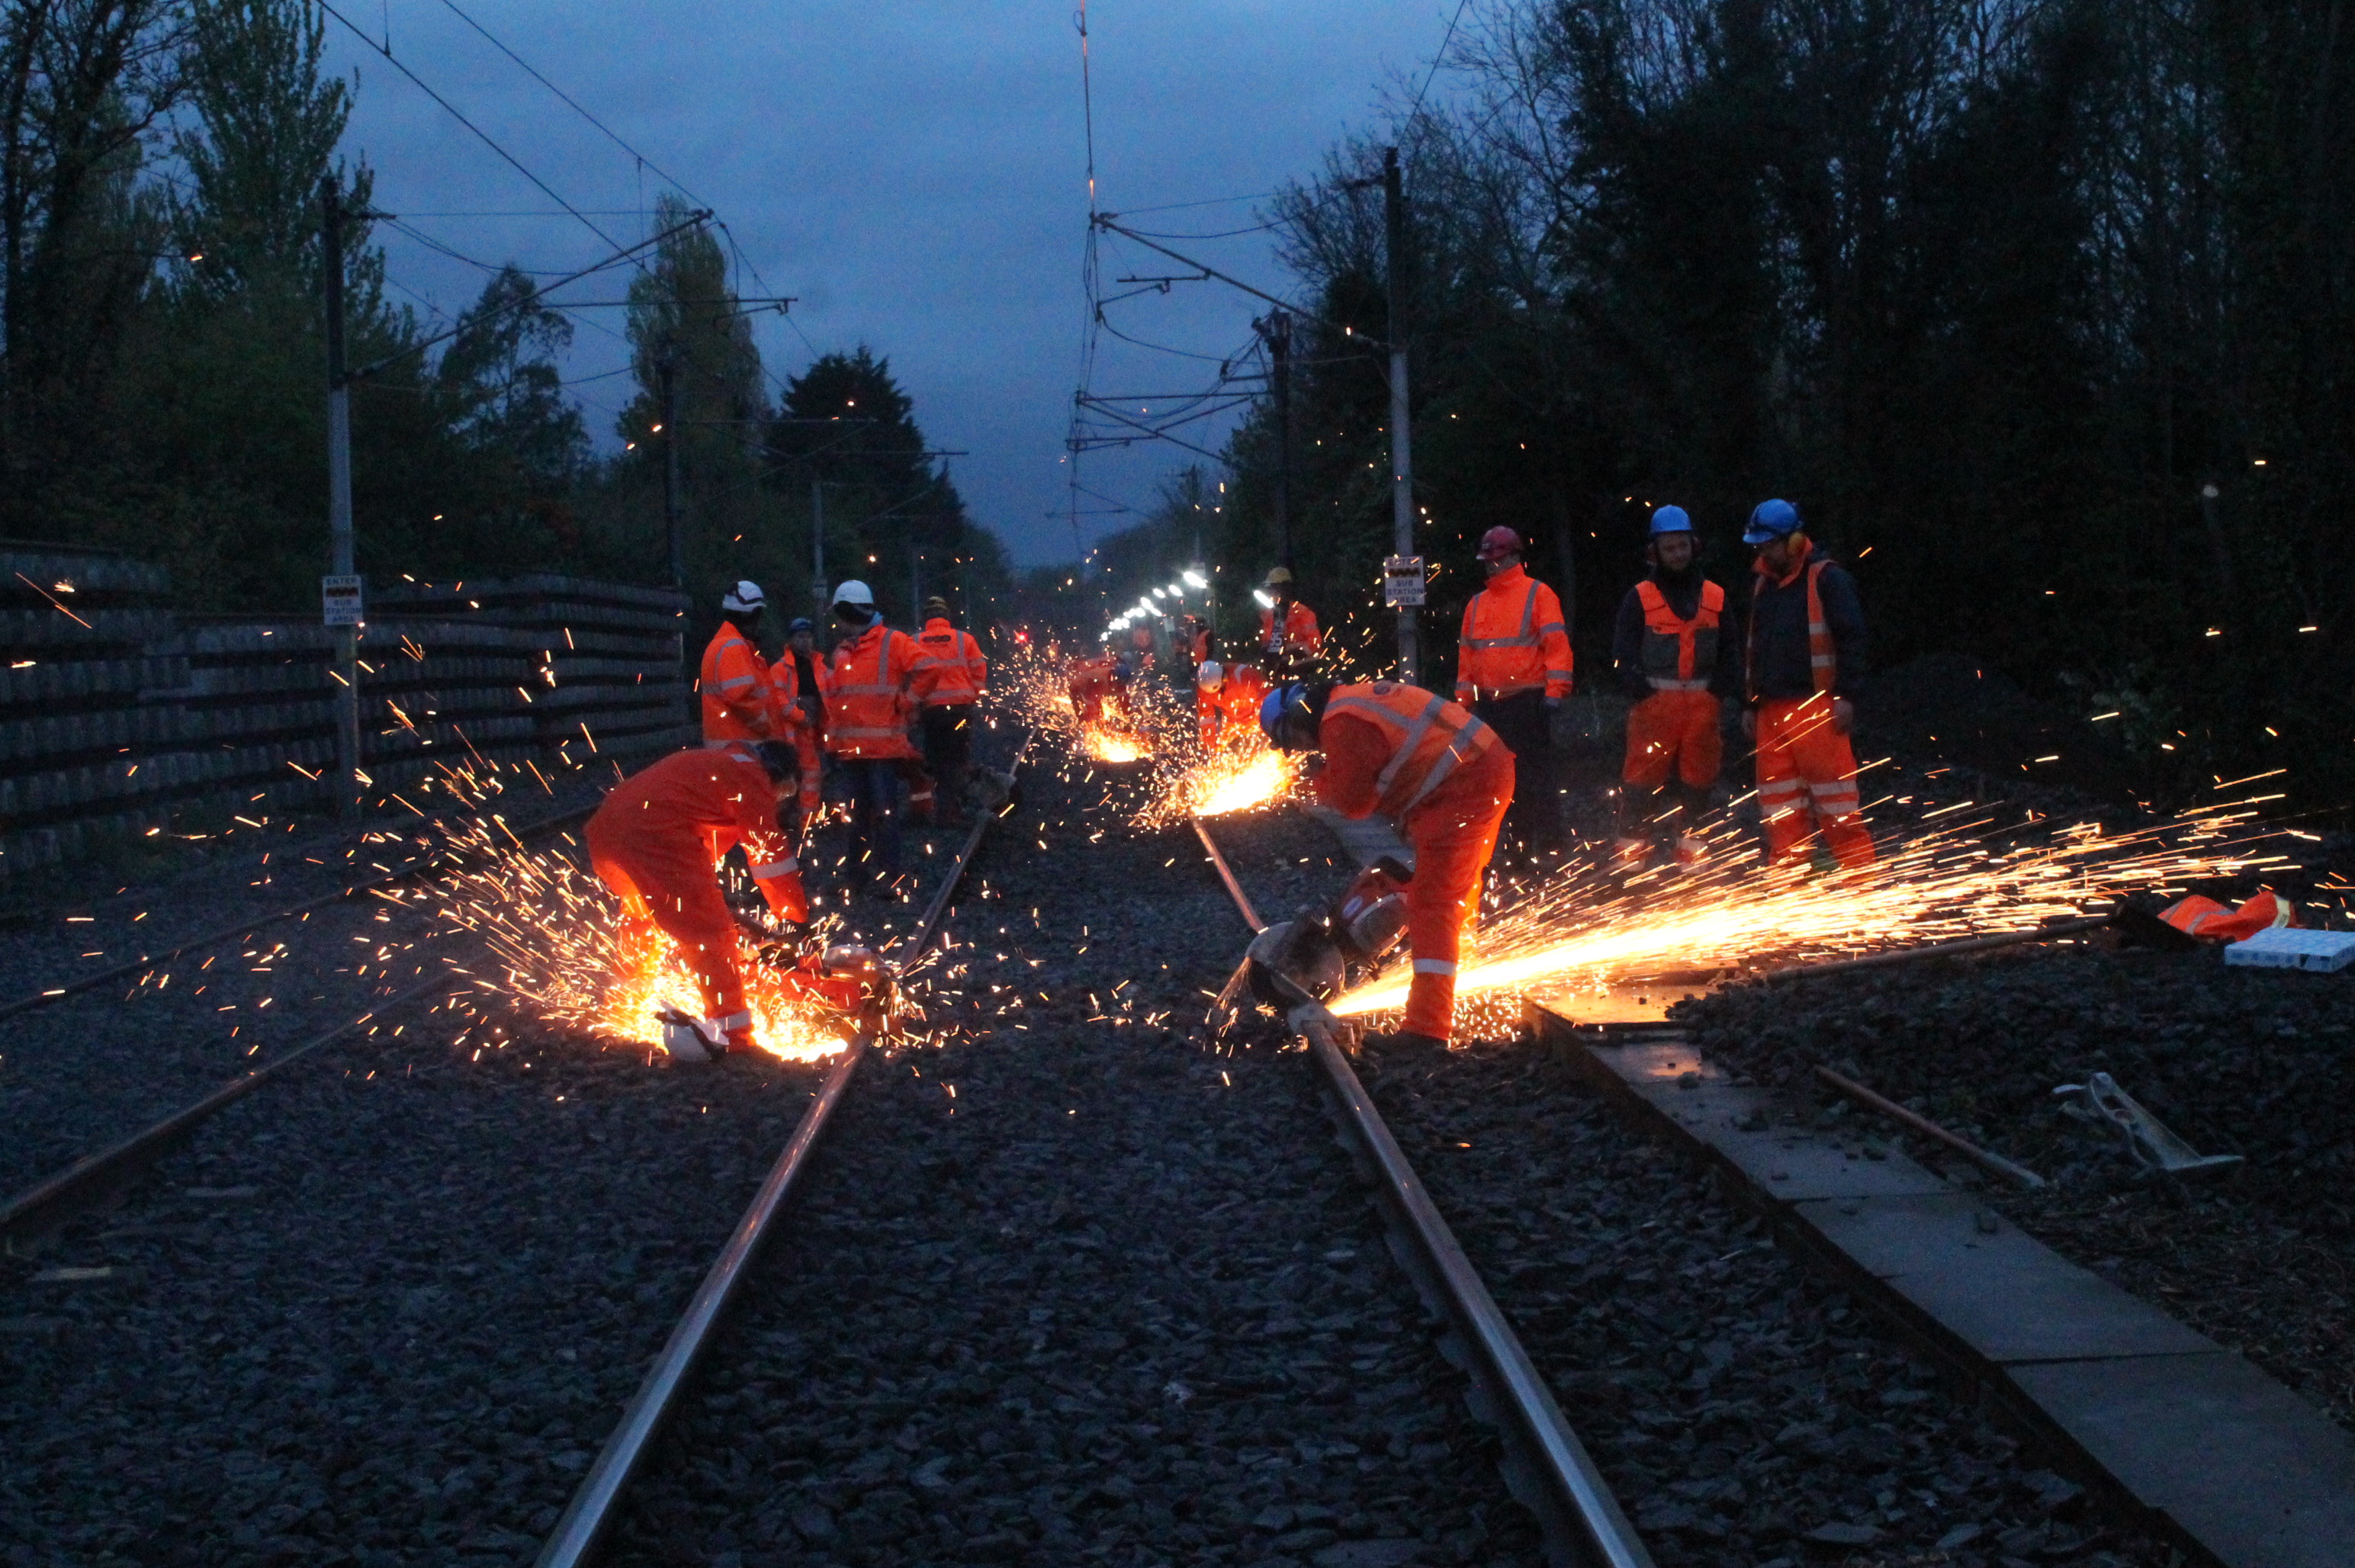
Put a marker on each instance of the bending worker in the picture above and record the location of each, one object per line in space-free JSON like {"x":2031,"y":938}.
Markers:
{"x":1512,"y":669}
{"x":1675,"y":661}
{"x":655,"y":842}
{"x":1289,"y":640}
{"x":949,"y":683}
{"x":738,"y":704}
{"x":1440,"y":775}
{"x":869,"y":703}
{"x":1805,"y":650}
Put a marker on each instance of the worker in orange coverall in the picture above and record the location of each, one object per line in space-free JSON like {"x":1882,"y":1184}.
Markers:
{"x":734,"y":682}
{"x":656,"y":840}
{"x":1676,"y":659}
{"x":1512,"y":669}
{"x":1805,"y":653}
{"x":1440,"y":775}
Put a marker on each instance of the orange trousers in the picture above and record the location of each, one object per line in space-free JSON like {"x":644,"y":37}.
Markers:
{"x":1806,"y":782}
{"x":1673,"y":732}
{"x":1454,"y":834}
{"x":665,"y":880}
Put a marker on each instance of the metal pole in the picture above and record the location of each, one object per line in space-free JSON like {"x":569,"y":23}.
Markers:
{"x":339,"y":504}
{"x":817,"y":546}
{"x":1279,"y":350}
{"x":1401,"y":439}
{"x":667,"y":369}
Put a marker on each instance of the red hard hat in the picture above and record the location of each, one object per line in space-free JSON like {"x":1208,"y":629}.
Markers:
{"x":1499,"y":542}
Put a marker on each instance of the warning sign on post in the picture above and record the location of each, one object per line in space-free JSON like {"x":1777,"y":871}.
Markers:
{"x":339,"y":601}
{"x":1402,"y":581}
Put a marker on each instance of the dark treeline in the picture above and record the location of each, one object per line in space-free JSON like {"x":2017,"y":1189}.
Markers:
{"x":163,"y":362}
{"x":1998,"y":291}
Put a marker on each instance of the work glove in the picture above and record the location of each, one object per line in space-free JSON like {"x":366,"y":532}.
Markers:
{"x":1843,"y":715}
{"x":1553,"y":704}
{"x":1750,"y":724}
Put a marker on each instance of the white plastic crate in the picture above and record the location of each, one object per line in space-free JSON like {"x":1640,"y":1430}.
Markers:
{"x":2288,"y":947}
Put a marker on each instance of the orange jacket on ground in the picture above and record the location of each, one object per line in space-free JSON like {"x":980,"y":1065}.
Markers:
{"x":954,"y":670}
{"x":656,"y":840}
{"x":1513,"y":640}
{"x":871,"y":694}
{"x":1414,"y":754}
{"x":737,"y":705}
{"x":2211,"y":921}
{"x":1302,"y":639}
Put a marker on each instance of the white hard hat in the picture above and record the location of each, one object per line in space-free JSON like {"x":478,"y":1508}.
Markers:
{"x":855,"y":593}
{"x":1209,"y":677}
{"x":745,"y":599}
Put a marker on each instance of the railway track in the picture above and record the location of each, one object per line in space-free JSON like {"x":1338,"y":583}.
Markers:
{"x":1547,"y":1466}
{"x":1746,"y":1412}
{"x":284,"y":1348}
{"x":591,"y":1513}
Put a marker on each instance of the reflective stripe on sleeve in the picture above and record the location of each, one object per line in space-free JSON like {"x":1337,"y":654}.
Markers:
{"x":784,"y":868}
{"x":1434,"y":966}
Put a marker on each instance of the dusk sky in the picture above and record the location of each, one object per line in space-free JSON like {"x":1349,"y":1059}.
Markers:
{"x":913,"y":172}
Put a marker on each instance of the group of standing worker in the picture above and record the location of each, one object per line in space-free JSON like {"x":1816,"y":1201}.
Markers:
{"x":1452,"y":775}
{"x":769,"y":728}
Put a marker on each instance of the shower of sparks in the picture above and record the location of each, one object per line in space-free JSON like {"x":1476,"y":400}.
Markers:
{"x":561,"y":952}
{"x":1192,"y":782}
{"x":1579,"y":932}
{"x":1106,"y":744}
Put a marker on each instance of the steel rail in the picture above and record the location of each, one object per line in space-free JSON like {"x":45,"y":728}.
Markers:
{"x":1557,"y":1480}
{"x":53,"y":1198}
{"x":1986,"y":1158}
{"x":591,"y":1513}
{"x":591,"y":1510}
{"x":2076,"y":927}
{"x":219,"y":934}
{"x":1227,"y":875}
{"x":1548,"y":1469}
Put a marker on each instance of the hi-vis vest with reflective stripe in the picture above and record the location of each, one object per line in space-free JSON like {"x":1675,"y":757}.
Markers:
{"x":956,"y":668}
{"x":1679,"y":654}
{"x":733,"y":680}
{"x":1494,"y":662}
{"x":867,"y":707}
{"x":1823,"y":662}
{"x":1429,"y":736}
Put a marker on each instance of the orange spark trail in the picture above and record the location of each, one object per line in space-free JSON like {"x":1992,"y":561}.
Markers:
{"x":1579,"y":932}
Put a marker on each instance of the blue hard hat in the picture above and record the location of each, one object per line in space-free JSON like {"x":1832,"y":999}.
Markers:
{"x":1671,"y":521}
{"x":1270,"y":709}
{"x":1772,"y":520}
{"x":800,"y":624}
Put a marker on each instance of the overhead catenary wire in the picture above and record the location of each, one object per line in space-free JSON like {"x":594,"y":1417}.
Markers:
{"x":484,"y":136}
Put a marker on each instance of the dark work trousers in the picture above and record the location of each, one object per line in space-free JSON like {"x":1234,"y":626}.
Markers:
{"x":874,"y":818}
{"x":948,"y":748}
{"x":1533,"y":823}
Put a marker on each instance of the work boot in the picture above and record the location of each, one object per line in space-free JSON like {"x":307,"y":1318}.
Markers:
{"x":1691,"y":851}
{"x":1630,"y":852}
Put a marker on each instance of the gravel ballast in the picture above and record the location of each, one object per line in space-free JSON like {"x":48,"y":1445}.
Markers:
{"x":2255,"y":1062}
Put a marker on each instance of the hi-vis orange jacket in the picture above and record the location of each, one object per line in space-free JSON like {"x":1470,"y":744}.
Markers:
{"x":1302,"y":639}
{"x":735,"y":686}
{"x":1679,"y":655}
{"x":954,"y":669}
{"x":1424,"y":739}
{"x":872,"y":694}
{"x":1513,"y":640}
